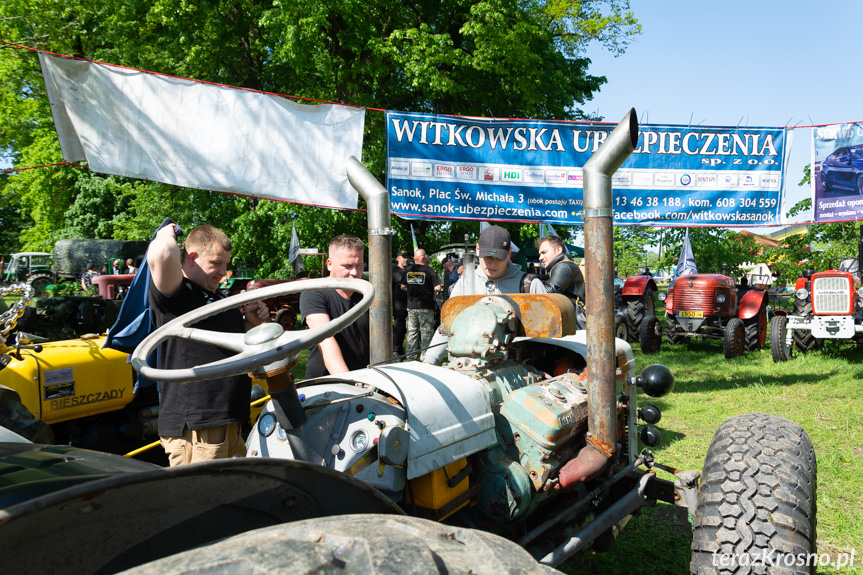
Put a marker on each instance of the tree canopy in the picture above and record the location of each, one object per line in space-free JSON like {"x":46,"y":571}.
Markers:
{"x":500,"y":58}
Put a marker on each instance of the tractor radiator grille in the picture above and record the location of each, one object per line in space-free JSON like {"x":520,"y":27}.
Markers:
{"x":693,"y":299}
{"x":831,"y":295}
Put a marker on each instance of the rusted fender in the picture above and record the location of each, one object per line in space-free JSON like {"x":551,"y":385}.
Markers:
{"x":751,"y":303}
{"x":637,"y":285}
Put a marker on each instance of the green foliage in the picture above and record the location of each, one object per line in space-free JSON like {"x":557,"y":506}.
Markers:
{"x":630,"y":248}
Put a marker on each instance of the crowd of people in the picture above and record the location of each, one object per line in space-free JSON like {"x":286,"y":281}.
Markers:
{"x":203,"y":420}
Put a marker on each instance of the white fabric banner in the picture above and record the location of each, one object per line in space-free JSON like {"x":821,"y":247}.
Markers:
{"x":195,"y":135}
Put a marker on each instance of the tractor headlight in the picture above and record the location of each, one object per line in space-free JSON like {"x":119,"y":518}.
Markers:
{"x":802,"y":293}
{"x":720,"y":298}
{"x":664,"y":295}
{"x":860,"y":292}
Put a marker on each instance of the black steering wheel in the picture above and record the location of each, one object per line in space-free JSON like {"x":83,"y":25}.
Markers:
{"x":263,"y":345}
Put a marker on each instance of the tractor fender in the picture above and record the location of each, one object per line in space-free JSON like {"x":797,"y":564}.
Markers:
{"x":637,"y":285}
{"x":751,"y":303}
{"x":780,"y":312}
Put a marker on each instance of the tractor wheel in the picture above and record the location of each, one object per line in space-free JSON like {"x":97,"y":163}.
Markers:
{"x":15,"y":416}
{"x":803,"y":338}
{"x":755,"y":330}
{"x":636,"y":310}
{"x":673,"y":334}
{"x":40,"y":282}
{"x":354,"y":544}
{"x":287,"y":318}
{"x":778,"y":331}
{"x":621,"y":331}
{"x":756,"y":499}
{"x":650,"y":336}
{"x":734,"y":338}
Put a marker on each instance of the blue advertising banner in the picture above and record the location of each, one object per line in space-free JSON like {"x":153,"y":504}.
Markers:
{"x":531,"y":171}
{"x":837,"y":173}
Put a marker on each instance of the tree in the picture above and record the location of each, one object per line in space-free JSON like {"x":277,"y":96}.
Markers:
{"x":712,"y":247}
{"x":502,"y":58}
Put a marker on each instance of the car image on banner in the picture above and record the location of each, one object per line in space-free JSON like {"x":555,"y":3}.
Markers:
{"x":842,"y":171}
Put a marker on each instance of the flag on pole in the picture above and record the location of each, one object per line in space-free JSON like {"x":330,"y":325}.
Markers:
{"x":294,"y":253}
{"x":414,"y":237}
{"x":686,"y":261}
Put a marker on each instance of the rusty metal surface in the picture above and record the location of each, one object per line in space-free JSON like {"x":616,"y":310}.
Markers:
{"x":540,"y":315}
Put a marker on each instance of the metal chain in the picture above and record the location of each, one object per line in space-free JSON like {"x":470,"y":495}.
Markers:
{"x":10,"y":317}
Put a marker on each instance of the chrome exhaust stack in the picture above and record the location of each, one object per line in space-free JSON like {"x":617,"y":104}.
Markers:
{"x":380,"y":265}
{"x":599,"y":262}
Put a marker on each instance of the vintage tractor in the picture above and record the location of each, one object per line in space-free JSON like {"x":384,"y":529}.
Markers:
{"x":530,"y":433}
{"x":712,"y":306}
{"x":636,"y":310}
{"x":827,"y":305}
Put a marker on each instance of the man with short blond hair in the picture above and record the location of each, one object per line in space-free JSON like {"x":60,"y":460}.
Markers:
{"x":198,"y":421}
{"x":349,"y":349}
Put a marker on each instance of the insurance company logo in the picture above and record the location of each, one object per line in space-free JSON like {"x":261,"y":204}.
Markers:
{"x":748,"y":181}
{"x":664,"y":179}
{"x":444,"y":171}
{"x":555,"y":176}
{"x":575,"y":177}
{"x":770,"y":181}
{"x":730,"y":180}
{"x":421,"y":169}
{"x":685,"y":180}
{"x":466,"y":173}
{"x":489,"y":174}
{"x":621,"y":179}
{"x":533,"y":176}
{"x":510,"y":175}
{"x":400,"y":168}
{"x":706,"y":180}
{"x":642,"y":179}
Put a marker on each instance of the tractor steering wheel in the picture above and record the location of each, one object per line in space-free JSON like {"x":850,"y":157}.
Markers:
{"x":260,"y":346}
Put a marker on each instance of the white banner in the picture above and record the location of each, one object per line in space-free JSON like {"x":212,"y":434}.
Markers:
{"x":195,"y":135}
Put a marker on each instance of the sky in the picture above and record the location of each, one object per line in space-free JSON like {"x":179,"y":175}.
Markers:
{"x":761,"y":63}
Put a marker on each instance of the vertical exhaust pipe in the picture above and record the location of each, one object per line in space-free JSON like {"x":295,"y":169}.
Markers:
{"x":599,"y":258}
{"x":380,"y":266}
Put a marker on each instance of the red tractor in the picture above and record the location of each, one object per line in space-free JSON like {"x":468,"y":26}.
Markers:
{"x":713,"y":306}
{"x":827,"y":305}
{"x":636,"y":308}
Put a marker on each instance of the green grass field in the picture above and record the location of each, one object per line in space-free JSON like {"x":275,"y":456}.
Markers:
{"x":821,"y":391}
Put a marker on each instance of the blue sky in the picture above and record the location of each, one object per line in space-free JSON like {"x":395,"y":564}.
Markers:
{"x":755,"y":63}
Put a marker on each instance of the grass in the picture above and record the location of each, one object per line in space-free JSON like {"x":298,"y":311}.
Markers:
{"x":821,"y":391}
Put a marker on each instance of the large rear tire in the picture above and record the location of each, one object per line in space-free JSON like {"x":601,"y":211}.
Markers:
{"x":755,"y":330}
{"x":803,"y":339}
{"x":40,"y":282}
{"x":734,"y":338}
{"x":778,"y":348}
{"x":756,"y":498}
{"x":355,"y":544}
{"x":636,"y":310}
{"x":673,"y":333}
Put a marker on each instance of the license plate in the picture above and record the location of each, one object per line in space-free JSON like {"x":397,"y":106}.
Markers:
{"x":690,"y":314}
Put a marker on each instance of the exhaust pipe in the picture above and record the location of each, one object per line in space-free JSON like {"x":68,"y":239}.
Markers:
{"x":599,"y":258}
{"x":380,"y":266}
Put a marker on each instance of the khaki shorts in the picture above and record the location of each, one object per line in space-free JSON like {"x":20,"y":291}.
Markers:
{"x":220,"y":442}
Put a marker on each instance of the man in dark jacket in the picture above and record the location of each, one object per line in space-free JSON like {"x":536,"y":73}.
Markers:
{"x":564,"y":275}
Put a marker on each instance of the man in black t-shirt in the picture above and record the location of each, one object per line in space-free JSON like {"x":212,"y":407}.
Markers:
{"x":400,"y":303}
{"x":202,"y":420}
{"x":421,"y":283}
{"x":348,"y":349}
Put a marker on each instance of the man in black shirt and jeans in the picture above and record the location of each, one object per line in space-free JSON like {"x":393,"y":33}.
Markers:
{"x":349,"y":349}
{"x":198,"y":421}
{"x":421,"y":283}
{"x":400,"y":303}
